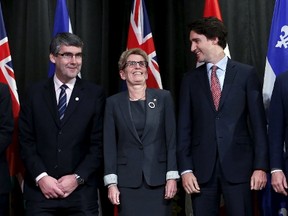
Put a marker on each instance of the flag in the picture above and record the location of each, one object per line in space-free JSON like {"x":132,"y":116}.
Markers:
{"x":211,"y":8}
{"x":7,"y":76}
{"x":62,"y":23}
{"x":277,"y":55}
{"x":276,"y":63}
{"x":16,"y":167}
{"x":140,"y":36}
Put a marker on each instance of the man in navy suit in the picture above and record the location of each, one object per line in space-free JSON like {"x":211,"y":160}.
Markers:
{"x":222,"y":147}
{"x":6,"y":130}
{"x":278,"y":136}
{"x":61,"y":148}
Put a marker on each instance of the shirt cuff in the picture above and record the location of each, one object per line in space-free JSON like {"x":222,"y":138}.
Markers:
{"x":172,"y":175}
{"x":40,"y":177}
{"x":186,"y":171}
{"x":110,"y":179}
{"x":276,"y":170}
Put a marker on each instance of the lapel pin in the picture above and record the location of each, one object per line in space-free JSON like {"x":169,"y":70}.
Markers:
{"x":77,"y":99}
{"x":152,"y":104}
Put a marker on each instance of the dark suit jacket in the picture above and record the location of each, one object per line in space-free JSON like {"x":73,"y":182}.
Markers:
{"x":203,"y":132}
{"x":6,"y":131}
{"x":278,"y":120}
{"x":73,"y":146}
{"x":128,"y":156}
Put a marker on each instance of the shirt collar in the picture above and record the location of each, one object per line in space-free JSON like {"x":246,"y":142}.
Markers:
{"x":58,"y":83}
{"x":222,"y":64}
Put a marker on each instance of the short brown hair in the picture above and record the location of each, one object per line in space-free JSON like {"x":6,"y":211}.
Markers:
{"x":124,"y":56}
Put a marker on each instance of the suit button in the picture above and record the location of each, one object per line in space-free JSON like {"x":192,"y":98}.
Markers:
{"x":59,"y":150}
{"x":141,"y":147}
{"x":60,"y":132}
{"x":56,"y":166}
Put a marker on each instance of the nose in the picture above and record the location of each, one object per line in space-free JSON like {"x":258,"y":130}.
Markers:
{"x":73,"y":59}
{"x":193,"y":47}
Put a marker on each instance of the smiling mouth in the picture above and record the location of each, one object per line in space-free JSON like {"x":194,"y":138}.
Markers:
{"x":138,"y":73}
{"x":197,"y":52}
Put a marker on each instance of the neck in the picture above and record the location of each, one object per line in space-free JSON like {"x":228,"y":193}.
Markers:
{"x":137,"y":92}
{"x":218,"y":56}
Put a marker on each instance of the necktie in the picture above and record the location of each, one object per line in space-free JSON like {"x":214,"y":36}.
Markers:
{"x":62,"y":101}
{"x":215,"y":87}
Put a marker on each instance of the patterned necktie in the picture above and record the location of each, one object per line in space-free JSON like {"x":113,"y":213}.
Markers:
{"x":62,"y":101}
{"x":215,"y":87}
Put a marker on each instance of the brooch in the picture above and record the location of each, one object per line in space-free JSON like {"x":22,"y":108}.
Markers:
{"x":152,"y":104}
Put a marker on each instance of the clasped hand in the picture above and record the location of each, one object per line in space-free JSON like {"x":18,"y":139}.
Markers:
{"x":61,"y":188}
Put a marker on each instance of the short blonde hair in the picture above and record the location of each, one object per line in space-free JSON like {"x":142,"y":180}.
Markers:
{"x":124,"y":56}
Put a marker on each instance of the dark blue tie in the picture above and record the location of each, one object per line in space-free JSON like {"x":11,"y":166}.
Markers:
{"x":62,"y":101}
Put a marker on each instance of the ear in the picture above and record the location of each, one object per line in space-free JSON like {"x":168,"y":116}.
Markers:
{"x":122,"y":74}
{"x":215,"y":40}
{"x":146,"y":75}
{"x":52,"y":58}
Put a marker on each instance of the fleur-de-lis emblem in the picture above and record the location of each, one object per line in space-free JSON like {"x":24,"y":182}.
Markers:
{"x":283,"y":38}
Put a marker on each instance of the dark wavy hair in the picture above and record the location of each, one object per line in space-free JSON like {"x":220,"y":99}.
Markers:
{"x":211,"y":27}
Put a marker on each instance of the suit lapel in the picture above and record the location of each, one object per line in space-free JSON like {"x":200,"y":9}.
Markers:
{"x":76,"y":98}
{"x":125,"y":110}
{"x":228,"y":81}
{"x":50,"y":98}
{"x":151,"y":109}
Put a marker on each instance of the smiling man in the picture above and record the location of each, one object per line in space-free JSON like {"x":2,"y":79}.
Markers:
{"x":220,"y":102}
{"x":60,"y":127}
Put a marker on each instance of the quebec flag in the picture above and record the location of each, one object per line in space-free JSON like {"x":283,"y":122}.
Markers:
{"x":276,"y":63}
{"x":277,"y":55}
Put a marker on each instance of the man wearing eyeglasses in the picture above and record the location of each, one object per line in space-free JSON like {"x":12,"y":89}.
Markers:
{"x":60,"y":127}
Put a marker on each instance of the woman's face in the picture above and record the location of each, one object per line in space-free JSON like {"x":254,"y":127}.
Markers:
{"x":135,"y":70}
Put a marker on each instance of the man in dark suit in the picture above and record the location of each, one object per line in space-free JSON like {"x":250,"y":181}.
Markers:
{"x":278,"y":136}
{"x":61,"y":146}
{"x":6,"y":131}
{"x":217,"y":151}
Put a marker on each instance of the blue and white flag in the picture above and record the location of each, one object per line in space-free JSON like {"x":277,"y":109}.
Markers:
{"x":276,"y":63}
{"x":62,"y":23}
{"x":277,"y":55}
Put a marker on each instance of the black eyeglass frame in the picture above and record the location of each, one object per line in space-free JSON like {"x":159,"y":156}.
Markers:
{"x":134,"y":64}
{"x":69,"y":55}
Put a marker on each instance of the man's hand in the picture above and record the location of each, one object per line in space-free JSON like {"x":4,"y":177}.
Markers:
{"x":114,"y":194}
{"x":67,"y":184}
{"x":258,"y":180}
{"x":170,"y":189}
{"x":49,"y":187}
{"x":279,"y":182}
{"x":190,"y":183}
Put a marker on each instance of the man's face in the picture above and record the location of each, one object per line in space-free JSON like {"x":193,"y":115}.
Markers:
{"x":203,"y":48}
{"x":68,"y":62}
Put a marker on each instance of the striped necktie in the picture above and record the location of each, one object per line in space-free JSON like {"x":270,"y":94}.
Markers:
{"x":62,"y":101}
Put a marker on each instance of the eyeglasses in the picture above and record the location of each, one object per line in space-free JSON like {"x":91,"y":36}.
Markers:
{"x":134,"y":64}
{"x":69,"y":56}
